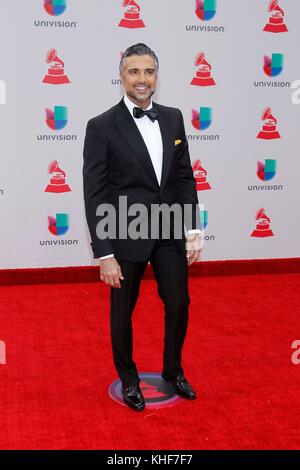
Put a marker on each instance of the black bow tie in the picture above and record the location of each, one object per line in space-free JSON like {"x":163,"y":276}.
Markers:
{"x":151,"y":113}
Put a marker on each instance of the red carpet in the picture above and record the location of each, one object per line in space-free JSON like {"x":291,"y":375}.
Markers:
{"x":237,"y":355}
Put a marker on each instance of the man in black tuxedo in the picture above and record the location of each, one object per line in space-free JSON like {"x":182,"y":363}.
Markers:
{"x":138,"y":150}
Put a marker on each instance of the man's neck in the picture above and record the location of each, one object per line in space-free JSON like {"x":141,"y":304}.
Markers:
{"x":144,"y":106}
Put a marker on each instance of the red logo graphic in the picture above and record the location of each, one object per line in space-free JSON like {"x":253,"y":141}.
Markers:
{"x":200,"y":175}
{"x":56,"y":74}
{"x":263,"y":225}
{"x":131,"y":16}
{"x":150,"y":391}
{"x":268,"y":131}
{"x":276,"y":19}
{"x":203,"y":74}
{"x":57,"y":181}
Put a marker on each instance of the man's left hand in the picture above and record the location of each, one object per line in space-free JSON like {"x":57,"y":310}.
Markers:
{"x":193,"y":247}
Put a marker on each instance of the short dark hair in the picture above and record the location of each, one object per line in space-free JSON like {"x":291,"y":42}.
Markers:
{"x":139,"y":49}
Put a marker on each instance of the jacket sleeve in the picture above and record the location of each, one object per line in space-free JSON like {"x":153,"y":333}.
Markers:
{"x":186,"y":183}
{"x":95,"y":184}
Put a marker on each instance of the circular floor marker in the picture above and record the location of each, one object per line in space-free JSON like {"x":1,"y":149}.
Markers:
{"x":157,"y":392}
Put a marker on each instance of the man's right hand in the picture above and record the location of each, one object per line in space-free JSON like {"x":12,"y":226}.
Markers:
{"x":110,"y":272}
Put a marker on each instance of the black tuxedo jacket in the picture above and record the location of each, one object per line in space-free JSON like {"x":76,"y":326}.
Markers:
{"x":117,"y":163}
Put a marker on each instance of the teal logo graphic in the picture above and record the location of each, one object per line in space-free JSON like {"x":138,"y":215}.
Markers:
{"x":266,"y":171}
{"x":57,"y":119}
{"x":201,"y":119}
{"x":203,"y":219}
{"x":55,"y":7}
{"x":206,"y":9}
{"x":58,"y":225}
{"x":273,"y":66}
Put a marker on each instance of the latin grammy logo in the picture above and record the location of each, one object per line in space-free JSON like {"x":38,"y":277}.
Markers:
{"x":263,"y":225}
{"x":200,"y":175}
{"x":150,"y":391}
{"x":276,"y":19}
{"x":131,"y":17}
{"x":269,"y":130}
{"x":56,"y":74}
{"x":57,"y":181}
{"x":203,"y":74}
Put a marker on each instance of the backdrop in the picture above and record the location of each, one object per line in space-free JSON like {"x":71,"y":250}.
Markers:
{"x":229,"y":65}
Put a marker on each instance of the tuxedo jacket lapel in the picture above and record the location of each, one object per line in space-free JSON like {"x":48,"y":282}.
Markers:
{"x":132,"y":135}
{"x":127,"y":127}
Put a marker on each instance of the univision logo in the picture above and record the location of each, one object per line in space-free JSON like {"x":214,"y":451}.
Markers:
{"x":205,"y":11}
{"x":55,"y":7}
{"x":204,"y":224}
{"x":273,"y":66}
{"x":56,"y":120}
{"x":266,"y":171}
{"x":203,"y":219}
{"x":202,"y":120}
{"x":58,"y":226}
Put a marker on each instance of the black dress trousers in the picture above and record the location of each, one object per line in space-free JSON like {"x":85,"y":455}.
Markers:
{"x":171,"y":274}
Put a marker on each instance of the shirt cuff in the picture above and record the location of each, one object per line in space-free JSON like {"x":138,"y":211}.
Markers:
{"x":107,"y":256}
{"x":194,"y":230}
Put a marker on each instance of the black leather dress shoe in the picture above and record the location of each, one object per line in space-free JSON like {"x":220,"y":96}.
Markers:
{"x":182,"y":387}
{"x":133,"y":397}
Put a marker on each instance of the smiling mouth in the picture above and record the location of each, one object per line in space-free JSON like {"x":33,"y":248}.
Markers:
{"x":141,"y":89}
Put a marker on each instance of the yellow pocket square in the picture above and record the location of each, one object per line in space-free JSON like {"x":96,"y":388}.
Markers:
{"x":177,"y":142}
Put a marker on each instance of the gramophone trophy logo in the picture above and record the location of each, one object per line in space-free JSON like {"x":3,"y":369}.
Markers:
{"x":57,"y":119}
{"x":273,"y":66}
{"x":58,"y":179}
{"x":56,"y":74}
{"x":55,"y":7}
{"x":200,"y":175}
{"x":131,"y":17}
{"x":202,"y":119}
{"x":157,"y":392}
{"x":276,"y":20}
{"x":203,"y":75}
{"x":58,"y":225}
{"x":206,"y":9}
{"x":266,"y":170}
{"x":269,"y":128}
{"x":262,"y":229}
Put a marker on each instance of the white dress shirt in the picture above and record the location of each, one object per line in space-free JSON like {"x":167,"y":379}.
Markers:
{"x":151,"y":134}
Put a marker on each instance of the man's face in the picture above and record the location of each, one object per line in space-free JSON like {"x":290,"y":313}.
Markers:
{"x":139,"y":77}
